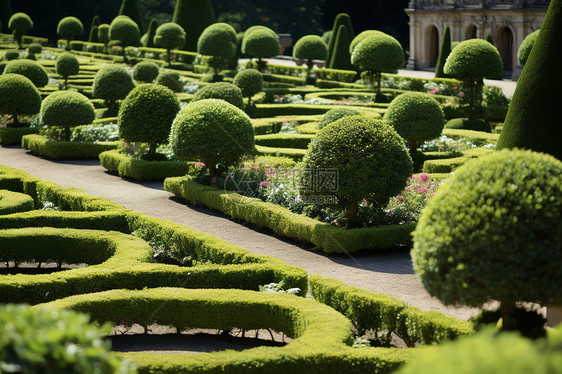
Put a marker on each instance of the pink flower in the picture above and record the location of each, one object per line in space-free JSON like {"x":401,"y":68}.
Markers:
{"x":422,"y":190}
{"x":214,"y":179}
{"x":433,"y":92}
{"x":264,"y":184}
{"x":424,"y":176}
{"x":461,"y":94}
{"x":199,"y":164}
{"x":400,"y":197}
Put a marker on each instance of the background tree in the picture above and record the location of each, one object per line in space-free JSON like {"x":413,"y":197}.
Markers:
{"x":67,"y":65}
{"x":126,"y":31}
{"x":19,"y":23}
{"x":169,"y":36}
{"x":219,"y":41}
{"x":147,"y":40}
{"x":18,"y":97}
{"x":443,"y":54}
{"x":261,"y":42}
{"x":5,"y":14}
{"x":309,"y":48}
{"x":131,"y":9}
{"x":342,"y":19}
{"x":194,"y":16}
{"x":93,"y":34}
{"x":68,"y":28}
{"x":67,"y":109}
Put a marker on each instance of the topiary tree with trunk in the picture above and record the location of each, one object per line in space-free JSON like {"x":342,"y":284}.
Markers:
{"x":260,"y":43}
{"x":443,"y":54}
{"x":68,"y":28}
{"x":340,"y":58}
{"x":250,"y":82}
{"x":130,"y":8}
{"x":67,"y":65}
{"x":93,"y":34}
{"x":147,"y":40}
{"x":533,"y":121}
{"x":19,"y":23}
{"x":67,"y":109}
{"x":126,"y":31}
{"x":103,"y":35}
{"x":342,"y":19}
{"x":218,"y":41}
{"x":169,"y":36}
{"x":112,"y":83}
{"x":309,"y":48}
{"x":194,"y":16}
{"x":18,"y":97}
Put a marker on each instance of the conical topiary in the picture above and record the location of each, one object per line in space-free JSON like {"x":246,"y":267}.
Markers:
{"x":194,"y":16}
{"x":533,"y":119}
{"x":93,"y":36}
{"x":5,"y":14}
{"x":443,"y":54}
{"x":341,"y":19}
{"x":147,"y":40}
{"x":131,"y":8}
{"x":340,"y":57}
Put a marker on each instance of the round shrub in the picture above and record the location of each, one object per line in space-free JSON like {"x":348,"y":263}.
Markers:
{"x":251,"y":29}
{"x":112,"y":83}
{"x":261,"y":43}
{"x":34,"y":48}
{"x":221,"y":90}
{"x":67,"y":65}
{"x":125,"y":30}
{"x":363,"y":35}
{"x":369,"y":157}
{"x":70,"y":27}
{"x":416,"y":117}
{"x":170,"y":79}
{"x":19,"y":23}
{"x":212,"y":131}
{"x":31,"y":69}
{"x":169,"y":36}
{"x":310,"y":47}
{"x":474,"y":59}
{"x":67,"y":109}
{"x":146,"y":115}
{"x":250,"y":82}
{"x":493,"y":231}
{"x":218,"y":40}
{"x":47,"y":341}
{"x":335,"y":114}
{"x":145,"y":71}
{"x":526,"y":47}
{"x":18,"y":96}
{"x":11,"y":55}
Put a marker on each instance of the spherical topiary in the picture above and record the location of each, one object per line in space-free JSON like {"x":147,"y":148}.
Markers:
{"x":146,"y":115}
{"x":169,"y":36}
{"x":250,"y":82}
{"x":170,"y":79}
{"x":261,"y":43}
{"x":67,"y":65}
{"x":125,"y":30}
{"x":251,"y":29}
{"x":18,"y":96}
{"x":70,"y":27}
{"x":493,"y":231}
{"x":310,"y":47}
{"x":218,"y":40}
{"x":19,"y":23}
{"x":416,"y":117}
{"x":361,"y":36}
{"x":67,"y":109}
{"x":221,"y":90}
{"x":474,"y":59}
{"x":112,"y":83}
{"x":145,"y":71}
{"x":34,"y":48}
{"x":11,"y":55}
{"x":30,"y":69}
{"x":213,"y":131}
{"x":335,"y":114}
{"x":526,"y":47}
{"x":367,"y":155}
{"x":103,"y":33}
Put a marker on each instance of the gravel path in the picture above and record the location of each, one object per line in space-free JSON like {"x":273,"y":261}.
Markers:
{"x":387,"y":272}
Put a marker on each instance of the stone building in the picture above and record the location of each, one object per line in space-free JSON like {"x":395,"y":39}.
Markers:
{"x":508,"y":21}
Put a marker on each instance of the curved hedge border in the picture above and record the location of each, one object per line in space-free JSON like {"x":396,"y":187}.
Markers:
{"x":272,"y":110}
{"x":285,"y":223}
{"x":448,"y":165}
{"x":294,"y":153}
{"x":142,"y":170}
{"x":40,"y":145}
{"x":321,"y":334}
{"x":298,"y":141}
{"x":13,"y":135}
{"x":14,"y":202}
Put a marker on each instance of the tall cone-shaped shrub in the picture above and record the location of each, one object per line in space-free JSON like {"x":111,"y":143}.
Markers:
{"x":533,"y":119}
{"x":341,"y":19}
{"x":443,"y":54}
{"x":147,"y":40}
{"x":194,"y":16}
{"x":131,"y":8}
{"x":341,"y":58}
{"x":5,"y":14}
{"x":93,"y":35}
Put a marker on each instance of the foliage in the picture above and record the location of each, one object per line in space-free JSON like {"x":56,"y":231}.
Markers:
{"x":34,"y":48}
{"x":260,"y":43}
{"x":340,"y":57}
{"x":310,"y":47}
{"x":131,"y":9}
{"x":125,"y":30}
{"x":194,"y":16}
{"x":112,"y":83}
{"x":249,"y":81}
{"x":335,"y":114}
{"x":70,"y":27}
{"x":213,"y":131}
{"x":93,"y":34}
{"x":19,"y":23}
{"x":219,"y":41}
{"x":526,"y":46}
{"x":147,"y":40}
{"x":416,"y":117}
{"x":145,"y":71}
{"x":103,"y":33}
{"x":10,"y":55}
{"x":67,"y":65}
{"x":30,"y":69}
{"x":342,"y":19}
{"x":170,"y":79}
{"x":42,"y":341}
{"x":221,"y":90}
{"x":503,"y":214}
{"x":169,"y":36}
{"x":18,"y":95}
{"x":362,"y":36}
{"x":279,"y":288}
{"x":67,"y":109}
{"x":443,"y":54}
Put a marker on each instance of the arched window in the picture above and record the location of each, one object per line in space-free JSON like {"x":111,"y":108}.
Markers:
{"x":470,"y":32}
{"x":433,"y":44}
{"x":505,"y":47}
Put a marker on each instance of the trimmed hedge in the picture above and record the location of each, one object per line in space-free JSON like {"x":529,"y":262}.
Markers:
{"x":272,"y":110}
{"x":57,"y":150}
{"x":283,"y":222}
{"x":385,"y":315}
{"x":142,"y":170}
{"x":321,"y":344}
{"x":449,"y":165}
{"x":12,"y":135}
{"x":294,"y":153}
{"x":14,"y":202}
{"x":299,"y":141}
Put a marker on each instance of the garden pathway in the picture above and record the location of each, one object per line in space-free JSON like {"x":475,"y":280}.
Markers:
{"x":387,"y":272}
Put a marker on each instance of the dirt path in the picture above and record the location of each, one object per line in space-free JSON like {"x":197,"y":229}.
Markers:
{"x":388,"y":272}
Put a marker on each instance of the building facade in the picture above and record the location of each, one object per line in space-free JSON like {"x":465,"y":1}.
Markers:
{"x":508,"y":21}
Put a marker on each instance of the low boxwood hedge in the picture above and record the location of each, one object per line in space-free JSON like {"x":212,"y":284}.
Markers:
{"x":14,"y":202}
{"x":142,"y":170}
{"x":283,"y":222}
{"x":13,"y":135}
{"x":448,"y":165}
{"x":299,"y":141}
{"x":273,"y":110}
{"x":57,"y":150}
{"x":294,"y":153}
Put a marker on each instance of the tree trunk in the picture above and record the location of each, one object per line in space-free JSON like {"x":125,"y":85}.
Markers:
{"x":67,"y":134}
{"x":65,"y":83}
{"x":378,"y":78}
{"x":413,"y":145}
{"x":212,"y":168}
{"x":123,"y":47}
{"x":309,"y":65}
{"x":169,"y":58}
{"x":507,"y":314}
{"x":152,"y":149}
{"x":16,"y":122}
{"x":352,"y":215}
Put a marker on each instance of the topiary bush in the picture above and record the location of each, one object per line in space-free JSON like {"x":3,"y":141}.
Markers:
{"x":19,"y":23}
{"x":169,"y":36}
{"x":416,"y":117}
{"x":342,"y":19}
{"x":526,"y":47}
{"x":47,"y":341}
{"x":103,"y":35}
{"x":146,"y":115}
{"x":147,"y":40}
{"x":443,"y":54}
{"x":340,"y":57}
{"x":67,"y":65}
{"x":67,"y":109}
{"x":471,"y":61}
{"x":260,"y":43}
{"x":221,"y":90}
{"x":194,"y":17}
{"x":250,"y":82}
{"x":310,"y":47}
{"x":112,"y":83}
{"x":335,"y":114}
{"x":32,"y":50}
{"x":469,"y":124}
{"x":29,"y":68}
{"x":145,"y":71}
{"x":68,"y":28}
{"x":18,"y":96}
{"x":214,"y":132}
{"x":367,"y":155}
{"x":130,"y":8}
{"x":126,"y":32}
{"x":170,"y":79}
{"x":377,"y":53}
{"x":362,"y":36}
{"x":219,"y":41}
{"x":11,"y":55}
{"x":493,"y":231}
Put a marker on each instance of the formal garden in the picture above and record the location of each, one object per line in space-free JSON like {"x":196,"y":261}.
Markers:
{"x":338,"y":152}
